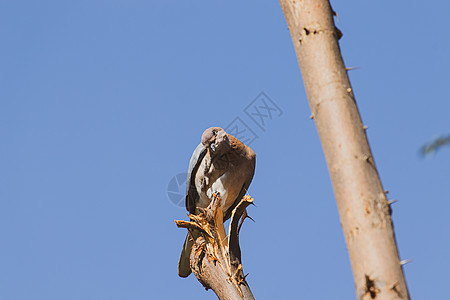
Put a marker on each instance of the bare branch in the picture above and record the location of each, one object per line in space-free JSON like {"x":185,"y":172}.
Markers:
{"x":215,"y":261}
{"x":363,"y":205}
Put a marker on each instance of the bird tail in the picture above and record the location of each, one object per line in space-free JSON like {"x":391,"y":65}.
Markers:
{"x":184,"y":265}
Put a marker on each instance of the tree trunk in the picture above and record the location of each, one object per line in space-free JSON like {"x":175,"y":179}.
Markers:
{"x":363,"y":206}
{"x":215,"y":261}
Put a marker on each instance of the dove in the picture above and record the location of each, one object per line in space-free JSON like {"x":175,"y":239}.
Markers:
{"x":221,"y":164}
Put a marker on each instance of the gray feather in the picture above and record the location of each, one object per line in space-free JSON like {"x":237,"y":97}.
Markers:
{"x":191,"y":191}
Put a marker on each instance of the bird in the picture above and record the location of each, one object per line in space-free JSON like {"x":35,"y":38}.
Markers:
{"x":221,"y":164}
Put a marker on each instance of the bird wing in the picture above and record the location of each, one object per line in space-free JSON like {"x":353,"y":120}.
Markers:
{"x":191,"y":191}
{"x":241,"y":193}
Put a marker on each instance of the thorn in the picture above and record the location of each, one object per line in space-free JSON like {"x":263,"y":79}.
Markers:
{"x":336,"y":15}
{"x":405,"y":261}
{"x":251,"y":218}
{"x":349,"y":90}
{"x":339,"y":33}
{"x":365,"y":127}
{"x":311,"y":116}
{"x":386,"y":191}
{"x":352,"y":68}
{"x":390,"y":202}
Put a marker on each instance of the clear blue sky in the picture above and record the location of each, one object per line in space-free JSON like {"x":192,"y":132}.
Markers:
{"x":103,"y":102}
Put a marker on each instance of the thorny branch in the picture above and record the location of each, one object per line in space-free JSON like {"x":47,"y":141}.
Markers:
{"x":216,"y":259}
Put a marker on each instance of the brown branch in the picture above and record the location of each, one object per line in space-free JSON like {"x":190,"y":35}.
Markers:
{"x":239,"y":213}
{"x":216,"y":262}
{"x":362,"y":203}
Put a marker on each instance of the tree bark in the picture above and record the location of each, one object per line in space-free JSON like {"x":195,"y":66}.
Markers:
{"x":216,"y":262}
{"x":363,"y":206}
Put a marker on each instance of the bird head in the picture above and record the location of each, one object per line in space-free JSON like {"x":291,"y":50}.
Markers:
{"x":216,"y":140}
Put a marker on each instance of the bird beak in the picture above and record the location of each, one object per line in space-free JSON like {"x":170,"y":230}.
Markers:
{"x":213,"y":147}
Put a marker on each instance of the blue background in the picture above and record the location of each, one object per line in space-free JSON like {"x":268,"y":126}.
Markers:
{"x":103,"y":102}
